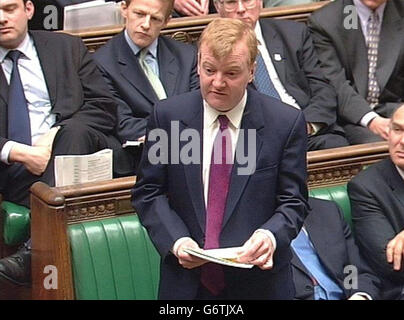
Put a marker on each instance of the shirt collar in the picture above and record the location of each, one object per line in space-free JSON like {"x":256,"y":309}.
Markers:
{"x":152,"y":47}
{"x":26,"y":47}
{"x":364,"y":12}
{"x":234,"y":114}
{"x":258,"y":34}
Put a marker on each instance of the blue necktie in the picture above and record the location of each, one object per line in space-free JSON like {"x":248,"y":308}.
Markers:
{"x":328,"y":289}
{"x":19,"y":127}
{"x":262,"y":81}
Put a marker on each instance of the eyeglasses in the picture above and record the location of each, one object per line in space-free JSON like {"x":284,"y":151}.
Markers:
{"x":231,"y":5}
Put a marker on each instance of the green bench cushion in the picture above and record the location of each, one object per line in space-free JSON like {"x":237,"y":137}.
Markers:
{"x":338,"y":194}
{"x":113,"y":259}
{"x":16,"y":223}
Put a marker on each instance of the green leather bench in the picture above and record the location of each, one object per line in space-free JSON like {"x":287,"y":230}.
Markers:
{"x":16,"y":223}
{"x":114,"y":258}
{"x":338,"y":194}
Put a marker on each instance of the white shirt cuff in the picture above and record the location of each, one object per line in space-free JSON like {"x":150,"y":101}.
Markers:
{"x":363,"y":294}
{"x":5,"y":151}
{"x":316,"y":127}
{"x":367,"y":118}
{"x":270,"y":235}
{"x":178,"y":243}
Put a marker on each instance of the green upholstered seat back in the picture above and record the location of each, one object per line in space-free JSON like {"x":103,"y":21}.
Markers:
{"x":112,"y":259}
{"x":16,"y":223}
{"x":338,"y":194}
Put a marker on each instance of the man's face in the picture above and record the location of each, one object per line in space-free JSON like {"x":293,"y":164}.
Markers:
{"x":223,"y":81}
{"x":14,"y":16}
{"x":242,"y":11}
{"x":144,"y":20}
{"x":396,"y":138}
{"x":373,"y":4}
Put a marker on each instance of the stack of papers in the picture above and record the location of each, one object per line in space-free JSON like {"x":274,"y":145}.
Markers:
{"x":224,"y":256}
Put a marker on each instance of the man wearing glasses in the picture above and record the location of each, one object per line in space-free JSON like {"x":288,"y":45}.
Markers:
{"x":288,"y":69}
{"x":142,"y":67}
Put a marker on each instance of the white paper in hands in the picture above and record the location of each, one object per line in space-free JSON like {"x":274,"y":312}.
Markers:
{"x":224,"y":256}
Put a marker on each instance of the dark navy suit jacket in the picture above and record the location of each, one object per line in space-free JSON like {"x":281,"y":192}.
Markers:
{"x":170,"y":203}
{"x":132,"y":90}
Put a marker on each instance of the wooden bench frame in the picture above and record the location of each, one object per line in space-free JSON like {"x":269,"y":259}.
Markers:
{"x":53,"y":209}
{"x":188,"y":29}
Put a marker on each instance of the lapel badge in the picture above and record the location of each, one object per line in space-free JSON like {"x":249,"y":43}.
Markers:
{"x":277,"y":57}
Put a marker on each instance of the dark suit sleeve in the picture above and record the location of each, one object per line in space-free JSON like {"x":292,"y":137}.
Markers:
{"x":99,"y":108}
{"x":149,"y":197}
{"x":322,"y":107}
{"x":351,"y":105}
{"x":291,"y":197}
{"x":372,"y":229}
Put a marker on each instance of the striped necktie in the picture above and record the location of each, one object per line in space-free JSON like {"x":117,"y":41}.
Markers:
{"x":153,"y":78}
{"x":372,"y":41}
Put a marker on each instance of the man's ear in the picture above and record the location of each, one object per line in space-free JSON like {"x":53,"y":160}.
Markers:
{"x":29,"y":9}
{"x":252,"y":72}
{"x":124,"y":9}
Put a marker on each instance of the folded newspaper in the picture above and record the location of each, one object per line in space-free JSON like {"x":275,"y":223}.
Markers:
{"x":74,"y":169}
{"x":225,"y":256}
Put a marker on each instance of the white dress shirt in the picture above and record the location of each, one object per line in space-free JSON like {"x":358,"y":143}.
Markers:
{"x":35,"y":90}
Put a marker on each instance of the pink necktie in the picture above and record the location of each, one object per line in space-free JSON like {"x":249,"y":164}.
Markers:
{"x":212,"y":276}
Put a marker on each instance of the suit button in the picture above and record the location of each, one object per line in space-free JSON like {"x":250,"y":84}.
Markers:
{"x":308,"y":288}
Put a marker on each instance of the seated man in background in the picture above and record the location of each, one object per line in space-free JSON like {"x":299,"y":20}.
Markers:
{"x":288,"y":69}
{"x":377,"y":200}
{"x":142,"y":67}
{"x":322,"y":250}
{"x":361,"y":48}
{"x":53,"y":101}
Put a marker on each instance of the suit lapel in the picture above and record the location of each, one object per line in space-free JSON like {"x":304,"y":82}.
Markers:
{"x":3,"y":104}
{"x":169,"y":69}
{"x":275,"y":49}
{"x":391,"y":41}
{"x":396,"y":182}
{"x":357,"y":55}
{"x":48,"y":64}
{"x":131,"y":71}
{"x":193,"y":172}
{"x":252,"y":120}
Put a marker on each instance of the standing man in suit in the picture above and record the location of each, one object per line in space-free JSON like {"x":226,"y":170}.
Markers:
{"x":53,"y":101}
{"x":322,"y":250}
{"x":142,"y":67}
{"x":211,"y":201}
{"x":377,"y":199}
{"x":288,"y":69}
{"x":362,"y":54}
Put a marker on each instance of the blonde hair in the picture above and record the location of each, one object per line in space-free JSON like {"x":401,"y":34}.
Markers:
{"x":222,"y":34}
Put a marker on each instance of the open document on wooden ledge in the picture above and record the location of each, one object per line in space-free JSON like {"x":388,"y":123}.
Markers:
{"x":225,"y":256}
{"x":74,"y":169}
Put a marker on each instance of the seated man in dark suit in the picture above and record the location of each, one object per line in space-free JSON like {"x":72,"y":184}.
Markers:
{"x":377,"y":200}
{"x":142,"y":67}
{"x":288,"y":69}
{"x":361,"y":48}
{"x":53,"y":101}
{"x":322,"y":250}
